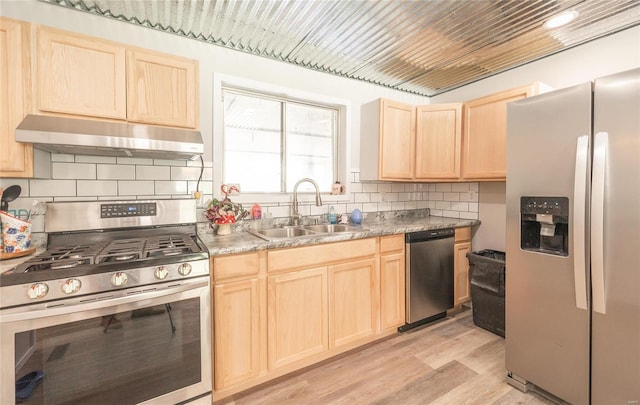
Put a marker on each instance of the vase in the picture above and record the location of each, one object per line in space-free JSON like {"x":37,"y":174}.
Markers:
{"x":223,"y":229}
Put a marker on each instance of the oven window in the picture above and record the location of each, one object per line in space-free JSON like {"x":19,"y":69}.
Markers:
{"x":121,"y":358}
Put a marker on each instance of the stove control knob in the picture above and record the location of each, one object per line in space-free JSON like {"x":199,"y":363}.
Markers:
{"x":71,"y":286}
{"x":184,"y":269}
{"x":161,"y":273}
{"x":37,"y":290}
{"x":119,"y":279}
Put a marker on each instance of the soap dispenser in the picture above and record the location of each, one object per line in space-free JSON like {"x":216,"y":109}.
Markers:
{"x":332,"y":216}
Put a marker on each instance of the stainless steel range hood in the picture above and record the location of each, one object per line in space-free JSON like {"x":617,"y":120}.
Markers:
{"x":103,"y":138}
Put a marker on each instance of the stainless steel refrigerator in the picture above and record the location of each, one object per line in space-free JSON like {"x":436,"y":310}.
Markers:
{"x":573,"y":242}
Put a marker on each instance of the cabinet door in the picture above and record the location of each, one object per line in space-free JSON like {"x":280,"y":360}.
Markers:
{"x":297,"y":316}
{"x":397,"y":140}
{"x":16,"y":159}
{"x":461,"y":287}
{"x":392,"y":290}
{"x":80,"y":75}
{"x":162,"y":89}
{"x":352,"y":302}
{"x":239,"y":336}
{"x":438,"y":141}
{"x":484,"y":153}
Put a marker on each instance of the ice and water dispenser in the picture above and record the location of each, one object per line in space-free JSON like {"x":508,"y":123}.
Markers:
{"x":544,"y":223}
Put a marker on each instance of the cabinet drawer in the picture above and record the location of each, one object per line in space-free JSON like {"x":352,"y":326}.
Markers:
{"x":319,"y":255}
{"x":226,"y":267}
{"x":463,"y":234}
{"x":391,"y":243}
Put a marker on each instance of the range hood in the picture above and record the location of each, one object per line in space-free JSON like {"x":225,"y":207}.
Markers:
{"x":107,"y":138}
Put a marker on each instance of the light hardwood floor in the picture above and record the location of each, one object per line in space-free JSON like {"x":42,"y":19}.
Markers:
{"x":448,"y":362}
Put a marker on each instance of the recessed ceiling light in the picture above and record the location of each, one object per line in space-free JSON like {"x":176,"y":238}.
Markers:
{"x":561,"y":19}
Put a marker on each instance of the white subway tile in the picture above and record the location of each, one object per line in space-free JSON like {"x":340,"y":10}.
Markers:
{"x":398,"y":206}
{"x":375,"y":197}
{"x":95,"y":159}
{"x":451,"y":196}
{"x":153,"y":173}
{"x":397,"y":187}
{"x":443,"y":187}
{"x":473,"y":196}
{"x":280,"y":211}
{"x":207,"y":174}
{"x":385,"y":187}
{"x":355,"y":187}
{"x":451,"y":214}
{"x":390,"y":197}
{"x":411,"y":205}
{"x":370,"y":188}
{"x":116,"y":172}
{"x":436,"y":213}
{"x":370,"y":207}
{"x":53,"y":188}
{"x":473,"y":186}
{"x":351,"y":207}
{"x":385,"y":206}
{"x":62,"y":157}
{"x":404,"y":196}
{"x":91,"y":188}
{"x":460,"y":206}
{"x":171,"y":187}
{"x":23,"y":183}
{"x":432,"y":187}
{"x":145,"y":187}
{"x":436,"y":196}
{"x":432,"y":204}
{"x":443,"y":205}
{"x":185,"y":173}
{"x":73,"y":171}
{"x":473,"y":207}
{"x":361,"y":198}
{"x":422,"y":204}
{"x":58,"y":199}
{"x":459,"y":187}
{"x":166,"y":162}
{"x":117,"y":198}
{"x":134,"y":161}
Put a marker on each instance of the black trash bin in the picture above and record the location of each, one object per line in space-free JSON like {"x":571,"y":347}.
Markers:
{"x":487,"y":268}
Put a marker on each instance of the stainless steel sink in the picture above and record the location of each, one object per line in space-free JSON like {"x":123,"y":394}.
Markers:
{"x":333,"y":228}
{"x":289,"y":232}
{"x":282,"y":233}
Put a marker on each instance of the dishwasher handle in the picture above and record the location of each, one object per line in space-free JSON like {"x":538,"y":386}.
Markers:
{"x":421,"y":236}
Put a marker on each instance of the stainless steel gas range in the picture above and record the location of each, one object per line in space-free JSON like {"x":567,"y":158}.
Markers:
{"x":116,"y":310}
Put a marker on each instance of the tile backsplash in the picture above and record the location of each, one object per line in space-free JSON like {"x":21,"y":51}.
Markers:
{"x":79,"y":177}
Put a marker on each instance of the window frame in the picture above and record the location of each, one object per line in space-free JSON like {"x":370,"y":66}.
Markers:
{"x":284,"y":101}
{"x":342,"y":144}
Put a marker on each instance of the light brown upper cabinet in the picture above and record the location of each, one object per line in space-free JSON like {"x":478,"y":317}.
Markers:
{"x":80,"y":75}
{"x":484,"y":152}
{"x":401,"y":142}
{"x":438,"y":141}
{"x":16,"y":158}
{"x":90,"y":77}
{"x":161,"y":89}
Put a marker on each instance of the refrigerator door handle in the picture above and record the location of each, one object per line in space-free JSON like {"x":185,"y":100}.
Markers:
{"x":597,"y":220}
{"x":579,"y":217}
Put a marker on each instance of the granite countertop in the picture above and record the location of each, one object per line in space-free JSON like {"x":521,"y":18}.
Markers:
{"x":243,"y":241}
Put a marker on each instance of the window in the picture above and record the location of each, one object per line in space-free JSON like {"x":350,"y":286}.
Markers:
{"x":270,"y":142}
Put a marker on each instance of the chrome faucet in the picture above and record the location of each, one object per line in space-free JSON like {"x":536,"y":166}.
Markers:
{"x":296,"y":215}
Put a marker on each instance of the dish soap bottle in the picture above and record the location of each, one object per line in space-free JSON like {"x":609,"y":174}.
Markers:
{"x":332,"y":216}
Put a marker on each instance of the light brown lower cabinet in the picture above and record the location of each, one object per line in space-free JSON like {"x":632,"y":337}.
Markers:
{"x":461,"y":277}
{"x":297,"y":314}
{"x":392,"y":279}
{"x":353,"y":302}
{"x":279,"y":310}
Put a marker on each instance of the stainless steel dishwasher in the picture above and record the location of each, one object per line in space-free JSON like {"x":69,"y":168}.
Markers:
{"x":429,"y":276}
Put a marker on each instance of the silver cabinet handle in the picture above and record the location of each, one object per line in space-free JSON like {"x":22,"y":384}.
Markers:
{"x":579,"y":218}
{"x":597,"y":221}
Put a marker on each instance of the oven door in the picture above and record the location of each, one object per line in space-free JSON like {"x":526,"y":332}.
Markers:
{"x":150,"y":347}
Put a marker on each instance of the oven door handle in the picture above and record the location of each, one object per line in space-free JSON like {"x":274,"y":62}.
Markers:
{"x":133,"y":299}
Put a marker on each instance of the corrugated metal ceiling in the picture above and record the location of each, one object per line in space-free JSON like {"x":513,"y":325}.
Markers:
{"x":422,"y":47}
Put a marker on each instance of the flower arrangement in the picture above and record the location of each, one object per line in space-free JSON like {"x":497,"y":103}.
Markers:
{"x":225,"y":211}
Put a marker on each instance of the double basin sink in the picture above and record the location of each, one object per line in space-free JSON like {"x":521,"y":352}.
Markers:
{"x":288,"y":232}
